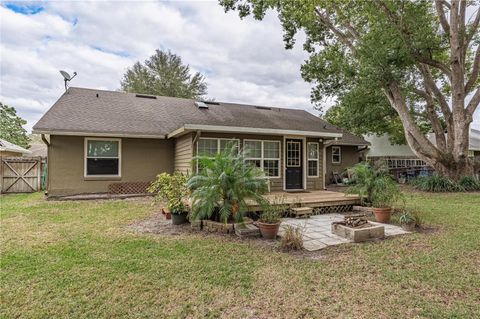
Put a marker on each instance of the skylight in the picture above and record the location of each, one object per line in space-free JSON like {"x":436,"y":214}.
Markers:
{"x":146,"y":96}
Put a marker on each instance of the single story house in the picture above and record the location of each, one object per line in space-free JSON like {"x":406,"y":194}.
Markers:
{"x":99,"y":138}
{"x":8,"y":149}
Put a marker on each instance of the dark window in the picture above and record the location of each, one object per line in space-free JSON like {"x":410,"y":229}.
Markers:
{"x":102,"y":166}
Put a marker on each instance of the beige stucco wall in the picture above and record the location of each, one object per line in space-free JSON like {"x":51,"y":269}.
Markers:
{"x":141,"y":160}
{"x":350,"y":157}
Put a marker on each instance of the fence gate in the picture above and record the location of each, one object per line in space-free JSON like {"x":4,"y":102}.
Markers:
{"x":20,"y":174}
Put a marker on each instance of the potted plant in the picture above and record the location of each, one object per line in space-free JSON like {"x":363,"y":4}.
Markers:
{"x":376,"y":188}
{"x":223,"y":184}
{"x":172,"y":189}
{"x":270,"y":218}
{"x":407,"y":221}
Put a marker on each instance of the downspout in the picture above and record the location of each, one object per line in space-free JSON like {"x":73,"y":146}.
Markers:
{"x":194,"y":141}
{"x":324,"y":164}
{"x":47,"y":173}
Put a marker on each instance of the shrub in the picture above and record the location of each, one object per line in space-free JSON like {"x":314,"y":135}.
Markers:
{"x":374,"y":185}
{"x":223,"y":184}
{"x":172,"y":189}
{"x":273,"y":211}
{"x":292,"y":239}
{"x":470,"y":183}
{"x":436,"y":184}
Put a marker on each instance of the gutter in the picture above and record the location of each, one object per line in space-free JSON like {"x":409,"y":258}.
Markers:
{"x":99,"y":134}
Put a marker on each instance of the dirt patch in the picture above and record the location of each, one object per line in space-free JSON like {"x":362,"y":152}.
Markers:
{"x":157,"y":224}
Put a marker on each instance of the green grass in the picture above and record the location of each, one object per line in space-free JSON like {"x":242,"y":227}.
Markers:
{"x":76,"y":259}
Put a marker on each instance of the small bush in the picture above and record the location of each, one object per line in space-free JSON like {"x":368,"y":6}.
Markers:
{"x":273,"y":211}
{"x":470,"y":183}
{"x":292,"y":239}
{"x":437,"y":184}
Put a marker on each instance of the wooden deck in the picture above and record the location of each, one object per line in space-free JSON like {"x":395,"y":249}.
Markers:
{"x":313,"y":199}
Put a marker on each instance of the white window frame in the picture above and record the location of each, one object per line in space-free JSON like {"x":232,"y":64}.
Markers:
{"x":313,"y":159}
{"x":339,"y":153}
{"x":85,"y":156}
{"x":263,"y":158}
{"x":218,"y":144}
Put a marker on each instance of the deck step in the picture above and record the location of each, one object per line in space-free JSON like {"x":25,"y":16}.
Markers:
{"x":302,"y":212}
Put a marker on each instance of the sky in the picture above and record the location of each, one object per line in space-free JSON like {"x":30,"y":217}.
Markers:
{"x":244,"y":61}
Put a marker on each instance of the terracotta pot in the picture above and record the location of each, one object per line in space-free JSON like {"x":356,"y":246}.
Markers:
{"x":383,"y":214}
{"x":168,"y":215}
{"x":268,"y":231}
{"x":409,"y":226}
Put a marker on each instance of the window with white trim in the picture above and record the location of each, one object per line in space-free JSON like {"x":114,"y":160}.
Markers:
{"x":102,"y":157}
{"x":312,"y":157}
{"x":212,"y":146}
{"x":336,"y":154}
{"x":264,"y":155}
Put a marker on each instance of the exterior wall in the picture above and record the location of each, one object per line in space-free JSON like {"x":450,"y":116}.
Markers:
{"x":184,"y":153}
{"x":350,"y":157}
{"x":141,"y":160}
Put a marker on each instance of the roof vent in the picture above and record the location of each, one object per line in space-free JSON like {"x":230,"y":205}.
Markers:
{"x":211,"y":102}
{"x":263,"y":107}
{"x":146,"y":96}
{"x":201,"y":105}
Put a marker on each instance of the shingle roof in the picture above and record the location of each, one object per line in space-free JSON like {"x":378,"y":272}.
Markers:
{"x":351,"y":139}
{"x":111,"y":112}
{"x":10,"y":147}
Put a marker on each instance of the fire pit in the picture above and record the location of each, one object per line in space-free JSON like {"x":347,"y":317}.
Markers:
{"x":357,"y":228}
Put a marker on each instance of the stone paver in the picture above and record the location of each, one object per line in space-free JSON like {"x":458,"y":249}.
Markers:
{"x":317,"y":232}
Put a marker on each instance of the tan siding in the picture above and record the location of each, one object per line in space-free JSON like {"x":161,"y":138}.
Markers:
{"x":350,"y":157}
{"x":184,"y":154}
{"x":141,"y":160}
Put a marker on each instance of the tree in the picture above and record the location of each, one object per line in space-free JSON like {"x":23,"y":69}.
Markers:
{"x":164,"y":74}
{"x":422,"y":56}
{"x":11,"y":126}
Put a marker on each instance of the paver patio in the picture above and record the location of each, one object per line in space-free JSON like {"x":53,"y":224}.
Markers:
{"x":317,"y":232}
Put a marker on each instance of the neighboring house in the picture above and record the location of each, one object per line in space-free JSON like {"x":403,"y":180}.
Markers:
{"x":99,"y":138}
{"x":38,"y":150}
{"x":8,"y":149}
{"x":400,"y":157}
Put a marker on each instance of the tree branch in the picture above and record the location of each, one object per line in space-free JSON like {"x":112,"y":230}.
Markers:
{"x":441,"y":15}
{"x":473,"y":104}
{"x":474,"y":28}
{"x":329,"y":24}
{"x":475,"y":72}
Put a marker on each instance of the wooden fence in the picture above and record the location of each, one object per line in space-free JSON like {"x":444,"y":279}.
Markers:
{"x":22,"y":174}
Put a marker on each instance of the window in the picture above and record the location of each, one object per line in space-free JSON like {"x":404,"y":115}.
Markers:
{"x":312,"y":156}
{"x":211,"y":146}
{"x":264,"y":155}
{"x":102,"y":157}
{"x":336,"y":154}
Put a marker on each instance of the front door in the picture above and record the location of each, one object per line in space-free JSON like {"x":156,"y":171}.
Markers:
{"x":293,"y":167}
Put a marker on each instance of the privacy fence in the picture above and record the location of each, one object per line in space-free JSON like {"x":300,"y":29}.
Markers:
{"x":22,"y":174}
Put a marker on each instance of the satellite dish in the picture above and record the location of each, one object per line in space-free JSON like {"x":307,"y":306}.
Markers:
{"x":67,"y":78}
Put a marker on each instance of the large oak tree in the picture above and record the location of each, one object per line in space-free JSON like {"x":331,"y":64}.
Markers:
{"x":421,"y":57}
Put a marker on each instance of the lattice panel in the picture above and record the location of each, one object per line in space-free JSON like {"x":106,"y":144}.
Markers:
{"x":128,"y":188}
{"x":332,"y":209}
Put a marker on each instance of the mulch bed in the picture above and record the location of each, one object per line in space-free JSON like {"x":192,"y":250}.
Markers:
{"x":157,"y":224}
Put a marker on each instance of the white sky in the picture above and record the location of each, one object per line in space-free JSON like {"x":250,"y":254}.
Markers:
{"x":243,"y":61}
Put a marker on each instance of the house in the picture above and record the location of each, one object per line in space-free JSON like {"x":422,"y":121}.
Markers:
{"x":98,"y":139}
{"x":8,"y":149}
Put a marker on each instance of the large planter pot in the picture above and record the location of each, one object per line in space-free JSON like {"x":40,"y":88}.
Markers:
{"x":178,"y":219}
{"x":268,"y":231}
{"x":409,"y":226}
{"x":383,"y":214}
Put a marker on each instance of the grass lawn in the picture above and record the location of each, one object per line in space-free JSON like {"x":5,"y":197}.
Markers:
{"x":76,"y":259}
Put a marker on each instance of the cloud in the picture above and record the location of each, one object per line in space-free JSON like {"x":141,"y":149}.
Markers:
{"x":244,"y":61}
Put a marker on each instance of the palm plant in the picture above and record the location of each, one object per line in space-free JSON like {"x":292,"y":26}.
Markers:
{"x":224,"y":183}
{"x":374,"y":185}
